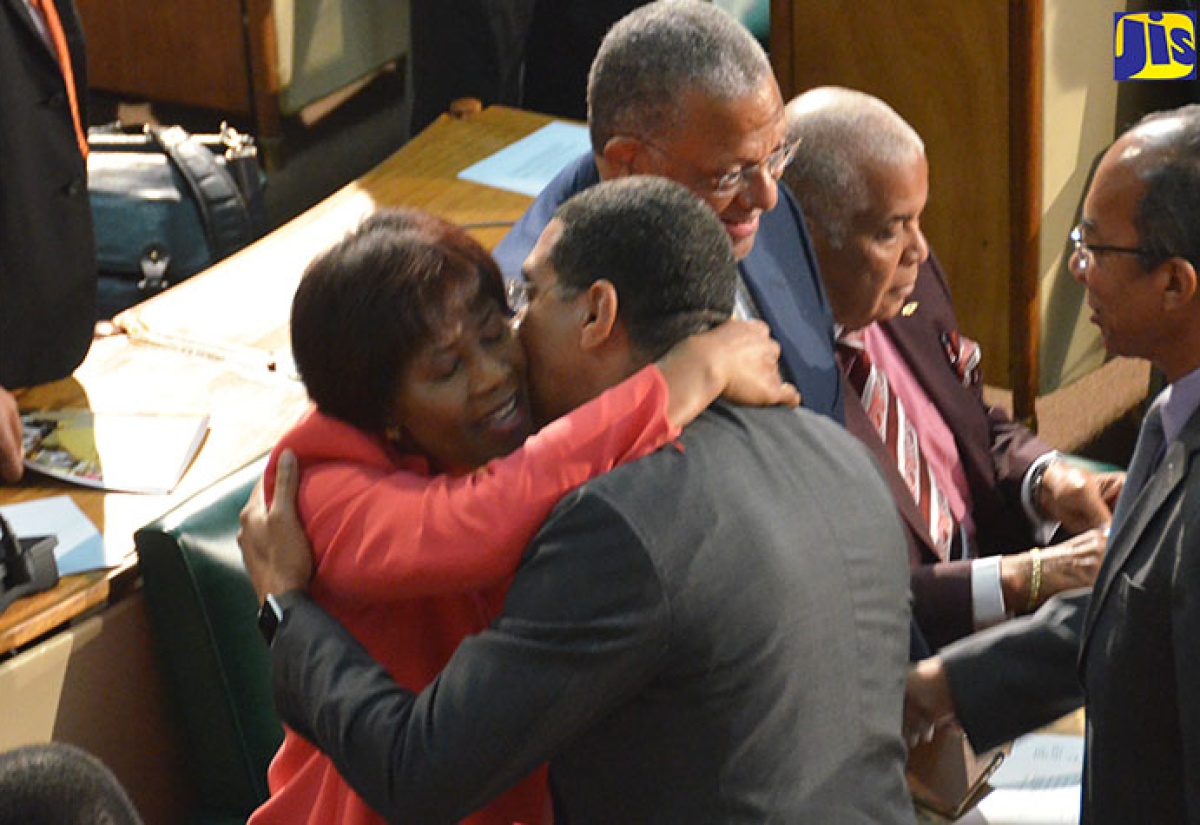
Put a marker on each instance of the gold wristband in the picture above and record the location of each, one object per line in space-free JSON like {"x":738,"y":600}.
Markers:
{"x":1035,"y":578}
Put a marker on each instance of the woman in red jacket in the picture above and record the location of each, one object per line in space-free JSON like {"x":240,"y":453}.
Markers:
{"x":421,"y":484}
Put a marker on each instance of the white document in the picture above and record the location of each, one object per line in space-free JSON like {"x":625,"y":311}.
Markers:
{"x":1038,"y":784}
{"x":80,"y":546}
{"x":532,"y":162}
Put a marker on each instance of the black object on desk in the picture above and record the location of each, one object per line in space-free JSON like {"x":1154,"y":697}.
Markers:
{"x":27,"y":565}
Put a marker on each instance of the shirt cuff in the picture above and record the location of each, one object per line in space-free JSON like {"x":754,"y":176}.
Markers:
{"x":1043,"y":529}
{"x":987,"y":596}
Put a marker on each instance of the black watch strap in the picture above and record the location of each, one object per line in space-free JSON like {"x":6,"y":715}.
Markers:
{"x":270,"y":615}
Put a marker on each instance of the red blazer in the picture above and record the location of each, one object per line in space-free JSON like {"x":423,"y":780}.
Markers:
{"x":995,"y":453}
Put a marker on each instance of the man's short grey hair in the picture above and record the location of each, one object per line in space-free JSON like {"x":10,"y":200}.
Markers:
{"x":840,"y":132}
{"x":655,"y":54}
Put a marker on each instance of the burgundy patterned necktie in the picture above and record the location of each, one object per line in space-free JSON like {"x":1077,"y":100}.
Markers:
{"x":889,"y":419}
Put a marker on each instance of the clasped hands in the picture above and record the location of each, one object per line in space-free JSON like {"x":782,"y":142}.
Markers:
{"x":1082,"y":502}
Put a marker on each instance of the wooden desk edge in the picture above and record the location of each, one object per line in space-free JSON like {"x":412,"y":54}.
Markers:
{"x":32,"y":616}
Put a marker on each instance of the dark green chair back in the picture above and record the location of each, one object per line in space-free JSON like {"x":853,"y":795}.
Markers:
{"x":216,"y":667}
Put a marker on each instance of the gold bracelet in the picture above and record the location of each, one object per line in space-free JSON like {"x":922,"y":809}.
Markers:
{"x":1035,"y":578}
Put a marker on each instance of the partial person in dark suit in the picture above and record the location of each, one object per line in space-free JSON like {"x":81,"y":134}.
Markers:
{"x":682,"y":90}
{"x":863,"y":180}
{"x":529,"y":53}
{"x":714,"y":633}
{"x":466,"y":49}
{"x":47,"y":248}
{"x":563,"y":38}
{"x":1137,"y":250}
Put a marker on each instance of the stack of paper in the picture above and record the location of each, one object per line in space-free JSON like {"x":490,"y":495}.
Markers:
{"x":1038,"y":784}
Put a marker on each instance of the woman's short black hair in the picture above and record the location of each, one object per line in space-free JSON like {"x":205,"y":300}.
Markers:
{"x":368,"y":304}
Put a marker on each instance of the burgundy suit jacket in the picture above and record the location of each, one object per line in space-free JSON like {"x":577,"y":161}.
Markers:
{"x":995,"y":453}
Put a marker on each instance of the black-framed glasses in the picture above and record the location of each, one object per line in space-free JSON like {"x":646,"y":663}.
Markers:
{"x":736,"y":180}
{"x":1085,"y":253}
{"x":520,"y":294}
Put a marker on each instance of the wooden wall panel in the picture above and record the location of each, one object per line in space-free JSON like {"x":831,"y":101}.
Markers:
{"x":192,"y":52}
{"x":944,"y":67}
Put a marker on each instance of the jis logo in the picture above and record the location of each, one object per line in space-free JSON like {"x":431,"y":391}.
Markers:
{"x":1154,"y":45}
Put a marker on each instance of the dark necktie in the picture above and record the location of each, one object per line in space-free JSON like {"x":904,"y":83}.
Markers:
{"x":1146,"y":456}
{"x":58,"y":39}
{"x":900,"y":435}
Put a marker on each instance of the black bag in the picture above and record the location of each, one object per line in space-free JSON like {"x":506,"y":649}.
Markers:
{"x":167,"y":204}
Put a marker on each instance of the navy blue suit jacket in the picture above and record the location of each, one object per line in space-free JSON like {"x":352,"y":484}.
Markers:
{"x":780,"y":272}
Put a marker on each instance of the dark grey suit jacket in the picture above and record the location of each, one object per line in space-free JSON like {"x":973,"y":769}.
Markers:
{"x":47,"y":249}
{"x":716,"y":633}
{"x":1140,"y":657}
{"x":1138,"y":643}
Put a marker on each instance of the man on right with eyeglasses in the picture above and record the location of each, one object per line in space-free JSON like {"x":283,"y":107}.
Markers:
{"x":1132,"y":640}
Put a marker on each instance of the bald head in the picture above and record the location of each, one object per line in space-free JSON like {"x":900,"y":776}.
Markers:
{"x":843,"y":134}
{"x":861,"y":177}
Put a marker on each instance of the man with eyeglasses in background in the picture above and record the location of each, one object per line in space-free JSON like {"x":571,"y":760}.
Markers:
{"x":1132,"y":640}
{"x":681,"y":90}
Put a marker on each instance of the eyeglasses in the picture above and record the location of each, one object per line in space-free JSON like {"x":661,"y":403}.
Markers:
{"x":1085,"y":253}
{"x":520,"y":294}
{"x":734,"y":181}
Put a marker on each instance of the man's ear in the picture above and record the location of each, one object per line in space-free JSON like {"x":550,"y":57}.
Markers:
{"x":619,"y":157}
{"x":600,"y":303}
{"x":1180,"y":283}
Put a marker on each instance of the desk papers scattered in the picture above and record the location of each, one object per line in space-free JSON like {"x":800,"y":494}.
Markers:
{"x":80,"y":545}
{"x":1039,"y":784}
{"x":532,"y":162}
{"x":132,"y":453}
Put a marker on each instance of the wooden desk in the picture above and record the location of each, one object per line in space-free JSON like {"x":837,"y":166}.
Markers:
{"x":247,"y":414}
{"x":218,"y":343}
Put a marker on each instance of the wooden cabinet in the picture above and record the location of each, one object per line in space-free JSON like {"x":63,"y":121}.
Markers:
{"x":216,"y":54}
{"x":258,"y":59}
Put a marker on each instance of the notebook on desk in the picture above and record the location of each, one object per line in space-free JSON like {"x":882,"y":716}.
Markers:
{"x":124,"y":452}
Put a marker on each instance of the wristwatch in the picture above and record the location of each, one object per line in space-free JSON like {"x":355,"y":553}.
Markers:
{"x":270,"y":615}
{"x":1035,"y":484}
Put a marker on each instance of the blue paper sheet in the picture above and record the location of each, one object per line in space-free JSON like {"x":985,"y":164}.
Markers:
{"x":532,"y":162}
{"x":80,"y":545}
